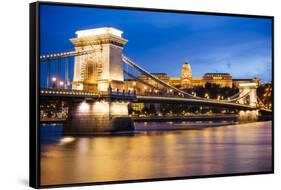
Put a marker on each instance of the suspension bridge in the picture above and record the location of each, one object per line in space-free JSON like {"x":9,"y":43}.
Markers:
{"x":98,"y":91}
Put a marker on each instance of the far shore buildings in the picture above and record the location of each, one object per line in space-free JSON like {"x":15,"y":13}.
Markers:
{"x":184,"y":81}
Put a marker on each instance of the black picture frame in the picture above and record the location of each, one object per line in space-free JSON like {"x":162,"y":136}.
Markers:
{"x":34,"y":87}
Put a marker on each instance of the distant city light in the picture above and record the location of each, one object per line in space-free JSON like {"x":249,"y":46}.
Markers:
{"x":54,"y":79}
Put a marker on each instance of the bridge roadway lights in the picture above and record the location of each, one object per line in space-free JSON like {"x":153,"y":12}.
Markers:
{"x":87,"y":118}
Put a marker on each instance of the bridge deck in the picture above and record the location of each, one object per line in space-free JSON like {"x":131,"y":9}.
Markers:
{"x":140,"y":98}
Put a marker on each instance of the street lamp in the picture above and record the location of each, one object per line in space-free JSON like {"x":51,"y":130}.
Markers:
{"x":54,"y":80}
{"x":207,"y":95}
{"x":61,"y":84}
{"x":109,"y":85}
{"x":145,"y":88}
{"x":134,"y":85}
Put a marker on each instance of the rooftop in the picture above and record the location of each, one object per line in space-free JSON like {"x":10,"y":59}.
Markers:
{"x":217,"y":74}
{"x":159,"y":73}
{"x":242,"y":79}
{"x":99,"y":31}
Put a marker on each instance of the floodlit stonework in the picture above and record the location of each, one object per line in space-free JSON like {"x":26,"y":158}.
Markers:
{"x":221,"y":79}
{"x":103,"y":66}
{"x":186,"y":76}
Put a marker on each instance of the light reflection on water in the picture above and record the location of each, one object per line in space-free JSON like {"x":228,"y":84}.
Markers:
{"x":215,"y":150}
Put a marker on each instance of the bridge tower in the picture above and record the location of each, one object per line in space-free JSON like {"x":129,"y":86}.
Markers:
{"x":103,"y":66}
{"x":251,"y":90}
{"x":96,"y":71}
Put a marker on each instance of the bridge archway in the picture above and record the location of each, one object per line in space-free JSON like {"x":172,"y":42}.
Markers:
{"x":107,"y":44}
{"x":248,"y":90}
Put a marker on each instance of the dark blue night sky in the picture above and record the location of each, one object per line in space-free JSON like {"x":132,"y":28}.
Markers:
{"x":162,"y":42}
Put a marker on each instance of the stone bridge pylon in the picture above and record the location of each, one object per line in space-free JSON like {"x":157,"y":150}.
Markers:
{"x":96,"y":70}
{"x":248,"y":90}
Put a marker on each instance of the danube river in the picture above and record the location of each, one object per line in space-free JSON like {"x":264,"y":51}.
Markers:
{"x":227,"y":149}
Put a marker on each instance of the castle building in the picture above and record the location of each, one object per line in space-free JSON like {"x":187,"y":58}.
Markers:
{"x":175,"y":81}
{"x":186,"y":76}
{"x":198,"y":82}
{"x":185,"y":81}
{"x":221,"y":79}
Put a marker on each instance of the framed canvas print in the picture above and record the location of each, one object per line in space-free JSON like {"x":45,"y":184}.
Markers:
{"x":120,"y":94}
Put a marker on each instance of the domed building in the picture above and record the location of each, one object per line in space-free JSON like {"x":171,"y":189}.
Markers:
{"x":186,"y":76}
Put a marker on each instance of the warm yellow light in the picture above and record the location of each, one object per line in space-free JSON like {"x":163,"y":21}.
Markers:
{"x":99,"y":31}
{"x":54,"y":79}
{"x":101,"y":108}
{"x":134,"y":83}
{"x":119,"y":108}
{"x":84,"y":106}
{"x":66,"y":140}
{"x":61,"y":83}
{"x":248,"y":84}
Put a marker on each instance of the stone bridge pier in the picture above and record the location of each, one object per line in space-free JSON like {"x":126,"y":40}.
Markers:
{"x":89,"y":117}
{"x":248,"y":115}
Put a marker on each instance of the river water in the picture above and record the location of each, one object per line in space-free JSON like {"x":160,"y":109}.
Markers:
{"x":146,"y":154}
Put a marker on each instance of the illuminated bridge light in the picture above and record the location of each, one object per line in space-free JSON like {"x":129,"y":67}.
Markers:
{"x":248,"y":84}
{"x":84,"y":106}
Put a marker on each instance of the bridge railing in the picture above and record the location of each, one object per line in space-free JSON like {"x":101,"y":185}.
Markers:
{"x":67,"y":92}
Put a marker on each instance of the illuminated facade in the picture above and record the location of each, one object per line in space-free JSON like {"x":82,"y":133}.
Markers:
{"x":186,"y":76}
{"x":185,"y":81}
{"x":162,"y":76}
{"x":221,"y":79}
{"x":198,"y":82}
{"x":148,"y":85}
{"x":175,"y":81}
{"x":96,"y":70}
